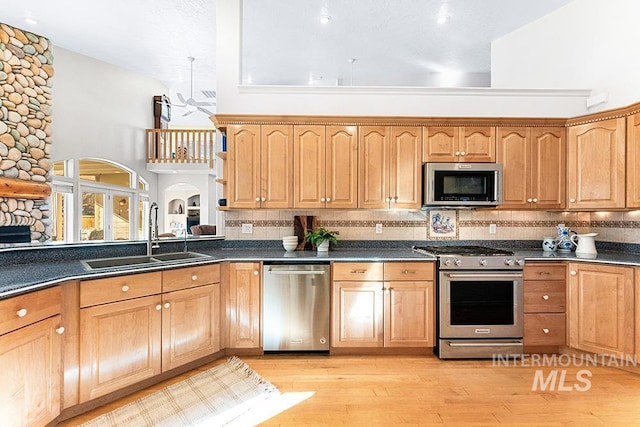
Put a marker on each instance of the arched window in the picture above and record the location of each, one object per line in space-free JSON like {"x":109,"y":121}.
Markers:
{"x":97,"y":199}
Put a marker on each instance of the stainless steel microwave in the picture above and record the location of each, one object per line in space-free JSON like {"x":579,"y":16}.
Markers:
{"x":462,"y":184}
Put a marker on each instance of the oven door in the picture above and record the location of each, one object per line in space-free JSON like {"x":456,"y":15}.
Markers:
{"x":481,"y":304}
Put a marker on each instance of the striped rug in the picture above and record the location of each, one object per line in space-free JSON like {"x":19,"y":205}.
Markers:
{"x":216,"y":397}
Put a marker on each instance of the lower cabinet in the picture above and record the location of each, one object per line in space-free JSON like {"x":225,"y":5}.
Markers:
{"x":243,"y":305}
{"x":383,"y":305}
{"x":601,"y":310}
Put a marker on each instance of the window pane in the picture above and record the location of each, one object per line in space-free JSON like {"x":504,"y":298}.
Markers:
{"x":59,"y":168}
{"x":141,"y":219}
{"x":104,"y":173}
{"x":58,"y":210}
{"x":92,"y":216}
{"x":121,"y":217}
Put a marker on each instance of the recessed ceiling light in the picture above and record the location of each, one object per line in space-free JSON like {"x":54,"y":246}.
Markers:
{"x":324,"y":16}
{"x":443,"y":18}
{"x":30,"y":21}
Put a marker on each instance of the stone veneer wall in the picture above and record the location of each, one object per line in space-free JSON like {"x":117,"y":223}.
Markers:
{"x":26,"y":71}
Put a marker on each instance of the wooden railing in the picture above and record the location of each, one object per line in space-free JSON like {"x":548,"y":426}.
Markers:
{"x":181,"y":146}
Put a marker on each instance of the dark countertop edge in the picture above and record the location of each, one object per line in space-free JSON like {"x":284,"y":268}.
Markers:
{"x":259,"y":255}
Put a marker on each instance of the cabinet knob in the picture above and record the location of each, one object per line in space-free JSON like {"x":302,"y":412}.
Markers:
{"x":125,"y":288}
{"x":322,"y":199}
{"x":545,"y":330}
{"x":545,"y":297}
{"x":388,"y":199}
{"x":256,"y":272}
{"x":530,"y":200}
{"x":535,"y":200}
{"x":60,"y":330}
{"x":167,"y":305}
{"x":264,"y":199}
{"x":257,"y":199}
{"x":457,"y":153}
{"x":572,"y":200}
{"x":22,"y":312}
{"x":158,"y":307}
{"x":328,"y":199}
{"x":194,"y":277}
{"x":573,"y":272}
{"x":395,"y":198}
{"x":462,"y":153}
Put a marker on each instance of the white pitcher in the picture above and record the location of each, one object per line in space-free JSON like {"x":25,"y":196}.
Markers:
{"x":585,"y":243}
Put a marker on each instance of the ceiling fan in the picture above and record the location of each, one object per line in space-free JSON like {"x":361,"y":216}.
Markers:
{"x":190,"y":103}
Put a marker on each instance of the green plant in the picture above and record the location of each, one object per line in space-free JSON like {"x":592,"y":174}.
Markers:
{"x":320,"y":235}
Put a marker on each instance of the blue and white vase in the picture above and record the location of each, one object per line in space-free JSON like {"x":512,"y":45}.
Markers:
{"x":564,"y":242}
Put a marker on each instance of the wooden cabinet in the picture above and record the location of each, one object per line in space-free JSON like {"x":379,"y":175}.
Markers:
{"x":325,"y":166}
{"x":633,"y":161}
{"x":131,"y":331}
{"x":601,"y":309}
{"x":390,"y":167}
{"x":243,"y":305}
{"x":383,"y":305}
{"x":31,"y":358}
{"x":534,"y":167}
{"x":260,"y":162}
{"x":544,"y":305}
{"x":459,"y":144}
{"x":596,"y":165}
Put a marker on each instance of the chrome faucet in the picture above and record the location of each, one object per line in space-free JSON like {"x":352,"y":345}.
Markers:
{"x":153,"y":242}
{"x":185,"y":248}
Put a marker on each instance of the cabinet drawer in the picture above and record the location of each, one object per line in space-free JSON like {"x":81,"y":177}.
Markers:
{"x":111,"y":289}
{"x":189,"y":277}
{"x":544,"y":297}
{"x":26,"y":309}
{"x":544,"y":329}
{"x":358,"y":271}
{"x":545,"y":272}
{"x":408,"y":271}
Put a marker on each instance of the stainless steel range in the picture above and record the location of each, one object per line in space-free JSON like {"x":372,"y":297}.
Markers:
{"x":480,"y":296}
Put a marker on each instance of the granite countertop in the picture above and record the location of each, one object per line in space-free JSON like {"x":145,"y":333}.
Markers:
{"x":20,"y":278}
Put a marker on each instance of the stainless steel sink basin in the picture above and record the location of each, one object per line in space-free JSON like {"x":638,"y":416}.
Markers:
{"x":124,"y":261}
{"x":176,"y":256}
{"x":128,"y":261}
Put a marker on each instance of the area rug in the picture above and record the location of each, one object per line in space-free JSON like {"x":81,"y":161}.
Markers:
{"x":216,"y":397}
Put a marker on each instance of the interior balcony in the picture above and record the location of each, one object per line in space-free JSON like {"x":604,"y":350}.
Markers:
{"x":190,"y":150}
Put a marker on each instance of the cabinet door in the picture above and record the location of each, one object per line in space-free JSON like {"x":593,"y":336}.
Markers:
{"x":190,"y":325}
{"x":342,"y":167}
{"x":514,"y":152}
{"x":405,"y":168}
{"x":477,"y":144}
{"x":373,"y":153}
{"x":633,"y":161}
{"x":548,"y":147}
{"x":309,"y":166}
{"x":276,"y":180}
{"x":601,"y":309}
{"x":244,"y":305}
{"x":440,"y":144}
{"x":30,"y":360}
{"x":243,"y":145}
{"x":357,"y":319}
{"x":119,"y":345}
{"x":596,"y":165}
{"x":409,"y":318}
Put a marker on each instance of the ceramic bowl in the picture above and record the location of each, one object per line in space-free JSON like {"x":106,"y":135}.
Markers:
{"x":290,"y":247}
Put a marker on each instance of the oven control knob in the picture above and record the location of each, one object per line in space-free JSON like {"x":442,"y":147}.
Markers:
{"x":458,"y":262}
{"x":520,"y":262}
{"x":447,"y":262}
{"x":483,"y":262}
{"x":509,"y":261}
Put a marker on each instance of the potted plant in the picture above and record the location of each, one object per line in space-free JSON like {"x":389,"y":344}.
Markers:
{"x":321,"y":238}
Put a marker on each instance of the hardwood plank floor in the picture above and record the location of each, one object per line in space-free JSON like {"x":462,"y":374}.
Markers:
{"x":419,"y":390}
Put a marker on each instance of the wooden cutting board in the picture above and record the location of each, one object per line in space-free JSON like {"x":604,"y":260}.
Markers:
{"x":302,"y":223}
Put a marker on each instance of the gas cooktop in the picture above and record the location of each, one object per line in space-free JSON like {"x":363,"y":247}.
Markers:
{"x":459,"y":250}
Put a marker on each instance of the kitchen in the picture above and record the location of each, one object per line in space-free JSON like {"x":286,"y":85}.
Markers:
{"x":476,"y":222}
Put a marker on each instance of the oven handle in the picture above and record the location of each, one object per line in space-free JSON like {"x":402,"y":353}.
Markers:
{"x":484,"y":275}
{"x":483,"y":344}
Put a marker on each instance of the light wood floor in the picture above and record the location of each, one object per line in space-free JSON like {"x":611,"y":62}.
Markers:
{"x":419,"y":390}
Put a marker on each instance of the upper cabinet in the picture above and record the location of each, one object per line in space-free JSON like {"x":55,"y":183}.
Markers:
{"x":390,"y":167}
{"x":260,"y":162}
{"x":459,"y":144}
{"x":534,"y":167}
{"x":596,"y":165}
{"x":633,"y":161}
{"x":325,"y":166}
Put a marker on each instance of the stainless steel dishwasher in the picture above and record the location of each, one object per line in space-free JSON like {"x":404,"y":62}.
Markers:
{"x":295,"y":306}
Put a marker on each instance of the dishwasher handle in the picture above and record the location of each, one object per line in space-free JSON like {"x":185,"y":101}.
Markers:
{"x":296,"y":272}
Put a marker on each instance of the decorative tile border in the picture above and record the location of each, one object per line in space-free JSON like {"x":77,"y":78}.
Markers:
{"x":325,"y":223}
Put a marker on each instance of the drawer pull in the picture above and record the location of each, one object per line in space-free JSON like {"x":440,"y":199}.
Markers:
{"x":125,"y":288}
{"x":358,"y":271}
{"x":167,"y":305}
{"x":60,"y":330}
{"x":573,"y":272}
{"x":408,"y":272}
{"x":545,"y":330}
{"x":544,"y":273}
{"x":194,"y":277}
{"x":22,"y":312}
{"x":545,"y":297}
{"x":158,"y":307}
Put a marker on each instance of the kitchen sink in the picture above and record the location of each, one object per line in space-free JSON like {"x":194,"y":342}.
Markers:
{"x":129,"y":261}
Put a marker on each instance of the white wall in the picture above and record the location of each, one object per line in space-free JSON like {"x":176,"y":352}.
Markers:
{"x":585,"y":44}
{"x":100,"y":110}
{"x":205,"y":185}
{"x":236,"y":99}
